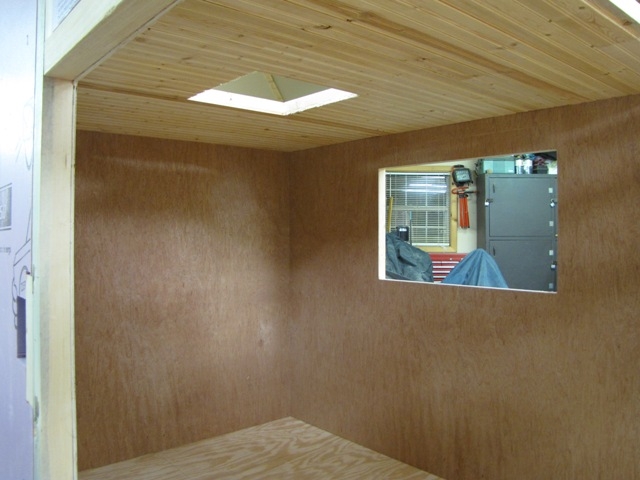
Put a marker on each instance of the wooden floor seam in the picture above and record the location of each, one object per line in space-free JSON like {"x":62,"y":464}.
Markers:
{"x":282,"y":449}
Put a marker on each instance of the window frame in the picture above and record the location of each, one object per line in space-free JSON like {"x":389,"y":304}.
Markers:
{"x":453,"y":203}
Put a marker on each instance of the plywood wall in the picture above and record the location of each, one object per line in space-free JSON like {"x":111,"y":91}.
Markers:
{"x":183,"y":310}
{"x":182,"y":275}
{"x":470,"y":383}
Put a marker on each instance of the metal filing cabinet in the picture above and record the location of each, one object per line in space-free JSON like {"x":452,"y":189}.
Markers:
{"x":517,"y":225}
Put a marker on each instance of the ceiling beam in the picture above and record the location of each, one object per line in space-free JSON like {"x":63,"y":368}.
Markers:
{"x":93,"y":30}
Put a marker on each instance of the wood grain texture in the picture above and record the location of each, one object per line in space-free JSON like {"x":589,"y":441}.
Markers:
{"x":182,"y":271}
{"x":91,"y":31}
{"x":53,"y":316}
{"x":278,"y":450}
{"x":471,"y":383}
{"x":462,"y":382}
{"x":413,"y":65}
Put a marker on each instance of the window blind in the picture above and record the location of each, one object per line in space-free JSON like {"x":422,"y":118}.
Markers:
{"x":421,"y":201}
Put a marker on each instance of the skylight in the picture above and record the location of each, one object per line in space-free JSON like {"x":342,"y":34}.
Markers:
{"x":630,"y":7}
{"x":263,"y":92}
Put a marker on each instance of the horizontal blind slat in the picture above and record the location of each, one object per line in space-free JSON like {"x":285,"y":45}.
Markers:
{"x":421,"y":202}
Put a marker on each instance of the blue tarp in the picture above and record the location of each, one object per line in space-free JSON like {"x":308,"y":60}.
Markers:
{"x":476,"y":268}
{"x":406,"y":262}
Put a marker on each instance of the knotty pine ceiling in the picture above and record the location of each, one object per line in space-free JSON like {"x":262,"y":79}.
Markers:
{"x":414,"y":64}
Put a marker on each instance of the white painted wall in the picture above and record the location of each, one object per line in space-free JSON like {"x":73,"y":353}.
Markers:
{"x":17,"y":87}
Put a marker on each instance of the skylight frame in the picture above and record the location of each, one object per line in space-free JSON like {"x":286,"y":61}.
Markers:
{"x":630,"y":7}
{"x":221,"y":97}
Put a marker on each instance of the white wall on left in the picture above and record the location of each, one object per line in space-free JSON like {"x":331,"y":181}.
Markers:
{"x":17,"y":87}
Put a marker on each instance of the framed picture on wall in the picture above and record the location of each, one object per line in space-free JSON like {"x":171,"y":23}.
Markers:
{"x":5,"y":207}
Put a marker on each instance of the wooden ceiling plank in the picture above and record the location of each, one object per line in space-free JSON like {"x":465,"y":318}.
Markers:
{"x":421,"y":74}
{"x":95,"y":28}
{"x":504,"y":69}
{"x":555,"y":34}
{"x":392,"y":102}
{"x":290,"y":37}
{"x":118,"y":74}
{"x":553,"y":42}
{"x":413,"y":64}
{"x":518,"y":50}
{"x":607,"y":47}
{"x":386,"y":109}
{"x":176,"y":112}
{"x":176,"y":109}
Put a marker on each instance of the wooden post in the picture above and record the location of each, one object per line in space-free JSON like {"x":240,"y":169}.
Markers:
{"x":54,"y":378}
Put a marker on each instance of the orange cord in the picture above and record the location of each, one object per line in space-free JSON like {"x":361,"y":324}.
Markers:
{"x":463,"y":206}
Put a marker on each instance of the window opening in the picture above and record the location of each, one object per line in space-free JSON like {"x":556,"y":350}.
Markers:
{"x":419,"y":203}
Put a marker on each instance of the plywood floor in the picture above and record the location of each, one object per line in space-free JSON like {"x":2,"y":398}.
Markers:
{"x":282,"y":449}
